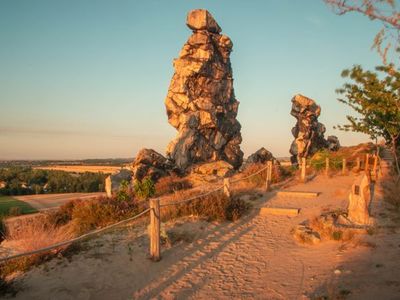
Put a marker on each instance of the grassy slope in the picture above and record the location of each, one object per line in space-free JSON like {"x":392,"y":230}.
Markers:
{"x":6,"y":202}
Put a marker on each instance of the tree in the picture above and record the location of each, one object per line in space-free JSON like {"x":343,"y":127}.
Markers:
{"x":384,"y":11}
{"x":376,"y":99}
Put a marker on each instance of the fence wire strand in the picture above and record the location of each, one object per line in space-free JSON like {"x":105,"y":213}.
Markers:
{"x":97,"y":231}
{"x":60,"y":244}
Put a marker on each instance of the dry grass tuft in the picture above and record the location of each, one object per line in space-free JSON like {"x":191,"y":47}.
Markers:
{"x":326,"y":228}
{"x":171,"y":184}
{"x":215,"y":206}
{"x":36,"y":234}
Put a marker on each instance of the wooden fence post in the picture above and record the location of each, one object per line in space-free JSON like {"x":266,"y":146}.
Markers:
{"x":155,"y":229}
{"x":327,"y":166}
{"x":269,"y":176}
{"x":227,"y":191}
{"x":344,"y":167}
{"x":358,"y":166}
{"x":303,"y":169}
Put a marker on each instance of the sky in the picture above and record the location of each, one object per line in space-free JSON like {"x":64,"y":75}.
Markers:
{"x":88,"y":79}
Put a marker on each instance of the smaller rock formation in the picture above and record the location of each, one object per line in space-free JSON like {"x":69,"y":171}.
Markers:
{"x":308,"y":132}
{"x":262,"y":155}
{"x":149,"y":163}
{"x":219,"y":168}
{"x":113,"y":181}
{"x":201,"y":102}
{"x":333,"y":143}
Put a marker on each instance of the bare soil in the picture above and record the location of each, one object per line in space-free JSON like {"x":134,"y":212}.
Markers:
{"x":253,"y":258}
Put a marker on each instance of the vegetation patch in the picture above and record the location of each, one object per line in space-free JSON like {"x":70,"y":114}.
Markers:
{"x":213,"y":207}
{"x":10,"y":206}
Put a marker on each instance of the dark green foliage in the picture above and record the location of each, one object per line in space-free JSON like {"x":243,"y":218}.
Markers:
{"x":144,"y":189}
{"x":25,"y":180}
{"x":318,"y":161}
{"x":376,"y":100}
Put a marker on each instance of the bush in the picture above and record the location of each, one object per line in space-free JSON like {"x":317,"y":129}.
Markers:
{"x":170,"y":184}
{"x":213,"y":207}
{"x":89,"y":215}
{"x":144,"y":189}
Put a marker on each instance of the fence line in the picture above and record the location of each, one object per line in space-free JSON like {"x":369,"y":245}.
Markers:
{"x":191,"y":199}
{"x":97,"y":231}
{"x":60,"y":244}
{"x":151,"y":210}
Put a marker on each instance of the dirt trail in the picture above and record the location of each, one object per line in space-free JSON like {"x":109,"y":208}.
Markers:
{"x":254,"y":258}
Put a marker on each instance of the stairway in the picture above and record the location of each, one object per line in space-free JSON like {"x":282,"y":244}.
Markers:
{"x":387,"y":160}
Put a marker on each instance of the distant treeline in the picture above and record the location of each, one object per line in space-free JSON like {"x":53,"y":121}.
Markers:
{"x":115,"y":162}
{"x":18,"y":180}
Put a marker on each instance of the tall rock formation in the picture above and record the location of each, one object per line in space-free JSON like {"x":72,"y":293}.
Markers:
{"x":201,"y":103}
{"x":308,"y":132}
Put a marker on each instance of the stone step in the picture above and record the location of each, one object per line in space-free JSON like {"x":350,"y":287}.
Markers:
{"x":281,"y":211}
{"x":298,"y":194}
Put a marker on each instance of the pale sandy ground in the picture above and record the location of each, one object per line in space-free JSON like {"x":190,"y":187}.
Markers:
{"x":47,"y":201}
{"x":254,"y":258}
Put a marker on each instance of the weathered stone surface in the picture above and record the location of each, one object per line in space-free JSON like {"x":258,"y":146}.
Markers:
{"x":201,"y":19}
{"x":219,"y":168}
{"x":359,"y":201}
{"x":113,"y":181}
{"x":149,"y":163}
{"x":308,"y":132}
{"x":262,"y":155}
{"x":201,"y":103}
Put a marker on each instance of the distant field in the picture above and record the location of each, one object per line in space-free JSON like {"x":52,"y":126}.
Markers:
{"x":50,"y":201}
{"x":6,"y":202}
{"x":81,"y":169}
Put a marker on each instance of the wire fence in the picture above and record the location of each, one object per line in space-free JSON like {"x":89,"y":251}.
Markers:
{"x":103,"y":229}
{"x":212,"y":189}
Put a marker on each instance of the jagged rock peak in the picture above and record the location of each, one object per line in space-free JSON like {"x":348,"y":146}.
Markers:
{"x":201,"y":103}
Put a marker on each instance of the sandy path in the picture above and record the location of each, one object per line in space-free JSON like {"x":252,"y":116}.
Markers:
{"x":46,"y":201}
{"x":259,"y":258}
{"x":254,"y":258}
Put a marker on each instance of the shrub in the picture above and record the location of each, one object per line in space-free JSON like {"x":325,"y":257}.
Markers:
{"x":63,"y":215}
{"x":144,"y":189}
{"x":213,"y":207}
{"x":123,"y":193}
{"x":170,"y":184}
{"x":89,"y":215}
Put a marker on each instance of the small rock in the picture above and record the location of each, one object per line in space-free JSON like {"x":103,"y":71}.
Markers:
{"x":337,"y":272}
{"x":149,"y":163}
{"x":262,"y":155}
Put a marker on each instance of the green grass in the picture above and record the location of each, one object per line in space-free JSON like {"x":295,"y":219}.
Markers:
{"x":7,"y":202}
